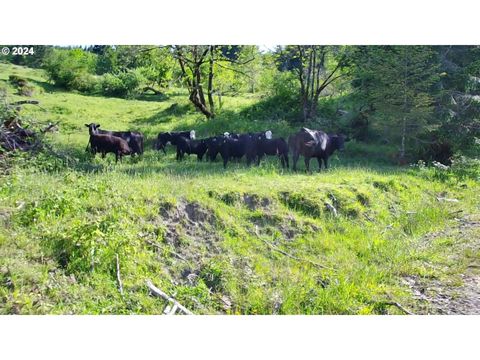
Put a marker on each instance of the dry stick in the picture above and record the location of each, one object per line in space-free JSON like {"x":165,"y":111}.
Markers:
{"x":290,"y":255}
{"x":156,"y":291}
{"x":394,"y":303}
{"x":119,"y":279}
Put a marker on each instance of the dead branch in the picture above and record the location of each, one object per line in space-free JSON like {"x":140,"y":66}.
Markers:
{"x":331,"y":208}
{"x":398,"y":305}
{"x":24,"y":102}
{"x":157,"y":292}
{"x":119,"y":279}
{"x":150,"y":88}
{"x":447,"y":199}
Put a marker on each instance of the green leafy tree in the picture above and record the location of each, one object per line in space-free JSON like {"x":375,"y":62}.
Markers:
{"x":398,"y":83}
{"x":316,"y":68}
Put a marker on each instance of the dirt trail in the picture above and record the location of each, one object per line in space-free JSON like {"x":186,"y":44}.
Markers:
{"x":458,"y":295}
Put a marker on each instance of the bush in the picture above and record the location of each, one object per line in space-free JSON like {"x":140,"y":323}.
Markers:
{"x":70,"y":68}
{"x":85,"y":83}
{"x":124,"y":84}
{"x":464,"y":167}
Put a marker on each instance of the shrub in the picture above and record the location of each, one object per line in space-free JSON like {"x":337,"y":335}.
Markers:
{"x":70,"y":68}
{"x":464,"y":167}
{"x":124,"y":84}
{"x":85,"y":83}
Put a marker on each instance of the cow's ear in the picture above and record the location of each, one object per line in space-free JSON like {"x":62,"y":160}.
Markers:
{"x":87,"y":125}
{"x":98,"y":125}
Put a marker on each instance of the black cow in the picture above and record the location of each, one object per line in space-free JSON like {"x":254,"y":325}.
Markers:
{"x":237,"y":146}
{"x":171,"y":138}
{"x":277,"y":147}
{"x":105,"y":143}
{"x":189,"y":146}
{"x":315,"y":143}
{"x":133,"y":138}
{"x":214,"y":143}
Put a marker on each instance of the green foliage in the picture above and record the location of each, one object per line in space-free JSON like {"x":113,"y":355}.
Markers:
{"x":123,"y":84}
{"x":63,"y":222}
{"x":66,"y":67}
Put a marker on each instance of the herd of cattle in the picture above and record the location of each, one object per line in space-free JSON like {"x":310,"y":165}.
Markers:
{"x":252,"y":146}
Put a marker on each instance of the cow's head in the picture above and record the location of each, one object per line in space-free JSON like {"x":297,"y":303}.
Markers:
{"x":338,"y":141}
{"x":192,"y":134}
{"x":268,"y":134}
{"x":92,"y":128}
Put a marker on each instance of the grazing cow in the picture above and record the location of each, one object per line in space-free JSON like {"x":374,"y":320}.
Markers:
{"x":133,"y":138}
{"x":314,"y":143}
{"x":242,"y":145}
{"x":213,"y":146}
{"x":189,"y":146}
{"x":109,"y":144}
{"x":171,"y":138}
{"x":277,"y":147}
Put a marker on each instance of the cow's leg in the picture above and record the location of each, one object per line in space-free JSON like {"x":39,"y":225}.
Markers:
{"x":325,"y":161}
{"x":286,"y":160}
{"x":259,"y":157}
{"x":319,"y":159}
{"x":307,"y":163}
{"x":295,"y":159}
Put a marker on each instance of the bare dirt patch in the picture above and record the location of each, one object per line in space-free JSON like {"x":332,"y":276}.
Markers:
{"x":453,"y":296}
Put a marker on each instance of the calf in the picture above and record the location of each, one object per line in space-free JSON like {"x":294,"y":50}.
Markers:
{"x":171,"y":138}
{"x":133,"y":138}
{"x":189,"y":146}
{"x":109,"y":144}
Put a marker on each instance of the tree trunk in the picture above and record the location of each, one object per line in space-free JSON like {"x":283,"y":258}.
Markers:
{"x":404,"y":122}
{"x":210,"y":83}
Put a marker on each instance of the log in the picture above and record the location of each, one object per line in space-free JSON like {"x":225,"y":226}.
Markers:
{"x":157,"y":292}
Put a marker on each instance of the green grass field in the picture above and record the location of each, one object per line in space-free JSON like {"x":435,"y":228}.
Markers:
{"x":236,"y":241}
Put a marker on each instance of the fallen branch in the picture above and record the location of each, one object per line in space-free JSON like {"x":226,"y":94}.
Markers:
{"x":273,"y":247}
{"x":150,"y":88}
{"x":447,"y":199}
{"x":50,"y":127}
{"x":157,"y":292}
{"x":396,"y":304}
{"x":119,"y":279}
{"x":331,"y":208}
{"x":24,"y":102}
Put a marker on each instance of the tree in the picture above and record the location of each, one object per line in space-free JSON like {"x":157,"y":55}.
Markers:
{"x":199,"y":65}
{"x":459,"y":106}
{"x":398,"y":83}
{"x":316,"y":68}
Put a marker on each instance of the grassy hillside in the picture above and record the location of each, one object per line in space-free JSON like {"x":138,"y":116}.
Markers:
{"x":238,"y":241}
